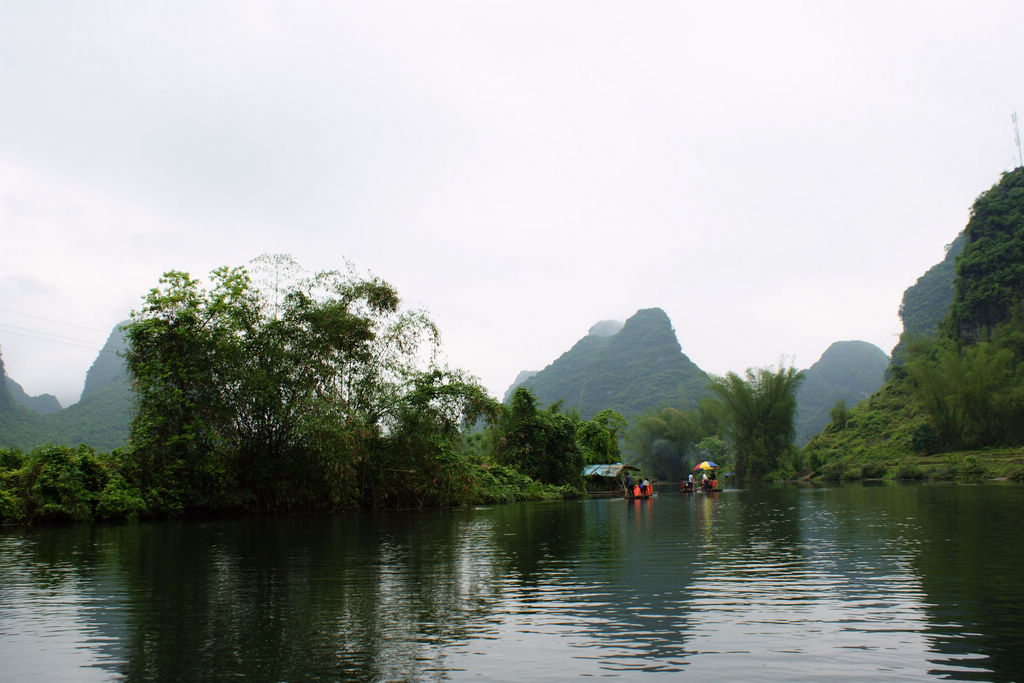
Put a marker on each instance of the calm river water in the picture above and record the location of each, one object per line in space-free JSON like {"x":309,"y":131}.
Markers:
{"x":852,"y":582}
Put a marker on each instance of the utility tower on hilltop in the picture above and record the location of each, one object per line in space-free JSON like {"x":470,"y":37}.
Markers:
{"x":1016,"y":132}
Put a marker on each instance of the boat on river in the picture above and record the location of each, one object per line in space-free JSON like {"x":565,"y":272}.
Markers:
{"x":707,"y":484}
{"x":610,"y":480}
{"x":640,"y":493}
{"x":686,"y":490}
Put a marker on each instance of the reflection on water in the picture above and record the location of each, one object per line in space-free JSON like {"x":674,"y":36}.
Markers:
{"x":815,"y":583}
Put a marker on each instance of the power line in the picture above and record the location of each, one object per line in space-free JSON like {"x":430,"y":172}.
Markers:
{"x":48,"y":334}
{"x":55,"y":341}
{"x":50,"y":320}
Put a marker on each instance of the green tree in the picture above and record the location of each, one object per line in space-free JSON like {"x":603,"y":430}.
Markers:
{"x":972,"y":394}
{"x":183,"y":354}
{"x":598,"y":437}
{"x":661,"y":440}
{"x":290,"y":398}
{"x":761,"y":408}
{"x":990,"y":271}
{"x":539,"y":443}
{"x":713,"y":446}
{"x":427,"y":419}
{"x":840,"y":415}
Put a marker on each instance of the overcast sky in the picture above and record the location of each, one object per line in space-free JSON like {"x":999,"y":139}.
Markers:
{"x":772,"y":174}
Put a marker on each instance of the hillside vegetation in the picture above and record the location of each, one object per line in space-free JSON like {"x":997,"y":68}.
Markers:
{"x":962,"y":388}
{"x":44,"y":404}
{"x":101,"y":419}
{"x":926,"y":303}
{"x":108,"y":368}
{"x":847,"y":373}
{"x":627,"y":370}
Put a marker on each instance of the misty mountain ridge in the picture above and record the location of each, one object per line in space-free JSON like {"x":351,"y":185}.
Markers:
{"x":848,"y":371}
{"x":926,"y":303}
{"x":628,"y":367}
{"x":100,"y":419}
{"x":604,"y":328}
{"x":44,"y":404}
{"x":639,"y":365}
{"x":108,"y":368}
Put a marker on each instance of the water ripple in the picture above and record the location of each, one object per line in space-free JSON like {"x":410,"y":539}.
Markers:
{"x":790,"y":584}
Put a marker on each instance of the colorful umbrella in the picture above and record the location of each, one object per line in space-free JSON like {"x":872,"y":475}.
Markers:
{"x":706,"y":465}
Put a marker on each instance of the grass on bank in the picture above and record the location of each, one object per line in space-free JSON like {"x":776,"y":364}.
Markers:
{"x":961,"y":466}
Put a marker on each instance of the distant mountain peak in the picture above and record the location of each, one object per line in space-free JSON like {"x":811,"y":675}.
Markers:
{"x":848,"y":371}
{"x":851,"y":347}
{"x":44,"y":404}
{"x":605,"y":328}
{"x":629,"y":367}
{"x":101,"y":418}
{"x":109,"y":365}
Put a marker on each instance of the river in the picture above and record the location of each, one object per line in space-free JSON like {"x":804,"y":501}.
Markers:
{"x":887,"y":582}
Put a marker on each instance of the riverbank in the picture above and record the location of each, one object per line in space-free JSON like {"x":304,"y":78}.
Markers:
{"x":971,"y":465}
{"x":58,"y":484}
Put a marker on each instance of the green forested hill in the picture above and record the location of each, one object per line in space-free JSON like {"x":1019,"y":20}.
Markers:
{"x":630,"y":370}
{"x":44,"y":404}
{"x":848,"y":371}
{"x":100,"y":419}
{"x":18,"y":425}
{"x":108,"y":367}
{"x":518,"y":381}
{"x":926,"y":303}
{"x":990,"y":272}
{"x":964,"y":387}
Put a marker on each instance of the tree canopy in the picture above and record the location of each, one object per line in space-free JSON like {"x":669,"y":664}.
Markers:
{"x":539,"y":443}
{"x":314,"y":392}
{"x":761,"y":407}
{"x":990,"y":272}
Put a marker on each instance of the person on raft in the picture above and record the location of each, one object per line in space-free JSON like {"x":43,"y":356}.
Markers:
{"x":640,"y":489}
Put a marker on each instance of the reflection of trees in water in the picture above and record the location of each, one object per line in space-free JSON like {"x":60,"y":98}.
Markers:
{"x":783,"y":584}
{"x":353,"y":596}
{"x":58,"y":581}
{"x":357,"y":596}
{"x":944,"y":550}
{"x":971,"y":563}
{"x":769,"y":516}
{"x":935,"y":556}
{"x":381,"y":596}
{"x":639,"y":583}
{"x":592,"y":573}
